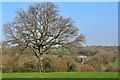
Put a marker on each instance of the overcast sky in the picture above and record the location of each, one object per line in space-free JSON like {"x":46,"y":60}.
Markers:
{"x":98,"y":21}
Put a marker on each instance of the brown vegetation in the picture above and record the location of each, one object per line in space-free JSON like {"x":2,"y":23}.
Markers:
{"x":101,"y":61}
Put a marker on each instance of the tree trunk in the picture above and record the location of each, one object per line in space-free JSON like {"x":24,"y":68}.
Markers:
{"x":40,"y":65}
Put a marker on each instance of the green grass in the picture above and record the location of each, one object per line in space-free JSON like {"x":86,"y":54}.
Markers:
{"x":115,"y":64}
{"x":62,"y":75}
{"x":0,"y":75}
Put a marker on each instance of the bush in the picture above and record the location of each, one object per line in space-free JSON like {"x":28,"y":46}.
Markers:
{"x":98,"y":67}
{"x":71,"y":63}
{"x":59,"y":65}
{"x":60,"y":52}
{"x":28,"y":67}
{"x":8,"y":64}
{"x":103,"y":58}
{"x":88,"y":52}
{"x":84,"y":68}
{"x":11,"y":66}
{"x":100,"y":60}
{"x":47,"y":64}
{"x":71,"y":66}
{"x":111,"y":69}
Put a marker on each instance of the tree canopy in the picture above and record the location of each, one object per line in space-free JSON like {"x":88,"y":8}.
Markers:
{"x":40,"y":28}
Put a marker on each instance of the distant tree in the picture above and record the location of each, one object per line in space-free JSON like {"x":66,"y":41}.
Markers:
{"x":40,"y":28}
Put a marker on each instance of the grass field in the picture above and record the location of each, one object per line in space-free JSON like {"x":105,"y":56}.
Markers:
{"x":62,"y":75}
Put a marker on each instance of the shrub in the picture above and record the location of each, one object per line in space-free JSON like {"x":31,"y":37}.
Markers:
{"x":10,"y":66}
{"x":60,"y":51}
{"x":12,"y":62}
{"x":59,"y":65}
{"x":29,"y":65}
{"x":71,"y":63}
{"x":84,"y":68}
{"x":71,"y":66}
{"x":112,"y":69}
{"x":7,"y":63}
{"x":47,"y":64}
{"x":99,"y":67}
{"x":100,"y":60}
{"x":88,"y":52}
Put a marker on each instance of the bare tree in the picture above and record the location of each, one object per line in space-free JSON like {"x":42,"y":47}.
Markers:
{"x":41,"y":28}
